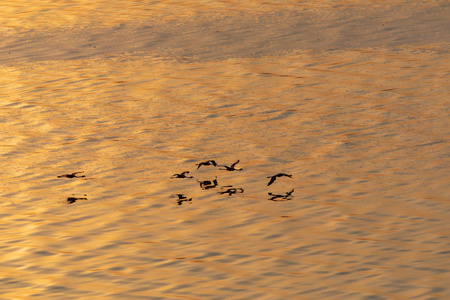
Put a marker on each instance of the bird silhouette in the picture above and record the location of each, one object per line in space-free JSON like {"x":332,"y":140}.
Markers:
{"x":71,"y":200}
{"x":232,"y":167}
{"x":182,"y":175}
{"x":207,"y":163}
{"x":73,"y":175}
{"x":274,"y":177}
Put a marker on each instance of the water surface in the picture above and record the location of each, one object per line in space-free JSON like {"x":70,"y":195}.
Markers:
{"x":349,"y":97}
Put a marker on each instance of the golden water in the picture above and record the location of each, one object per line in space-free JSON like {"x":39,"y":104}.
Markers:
{"x":350,"y":97}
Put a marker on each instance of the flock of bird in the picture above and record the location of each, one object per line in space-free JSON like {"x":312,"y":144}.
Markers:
{"x":228,"y":189}
{"x":205,"y":185}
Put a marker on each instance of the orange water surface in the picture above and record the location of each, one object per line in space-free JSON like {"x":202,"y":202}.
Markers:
{"x":349,"y":97}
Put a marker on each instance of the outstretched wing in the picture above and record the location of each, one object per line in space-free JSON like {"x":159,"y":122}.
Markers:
{"x":232,"y":166}
{"x":272,"y":180}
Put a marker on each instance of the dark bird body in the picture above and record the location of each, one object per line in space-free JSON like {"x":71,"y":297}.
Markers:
{"x":182,"y":175}
{"x":71,"y":200}
{"x":206,"y":163}
{"x":274,"y":177}
{"x":232,"y":167}
{"x":73,"y":175}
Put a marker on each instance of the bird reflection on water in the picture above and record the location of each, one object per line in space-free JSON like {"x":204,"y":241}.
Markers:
{"x":182,"y":198}
{"x":207,"y":184}
{"x":277,"y":197}
{"x":232,"y":191}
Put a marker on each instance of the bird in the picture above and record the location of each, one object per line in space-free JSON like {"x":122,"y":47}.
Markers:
{"x":182,"y":175}
{"x":272,"y":178}
{"x":71,"y":200}
{"x":207,"y":163}
{"x":232,"y":167}
{"x":73,"y":175}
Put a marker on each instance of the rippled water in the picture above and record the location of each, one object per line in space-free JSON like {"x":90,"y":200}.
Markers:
{"x":348,"y":97}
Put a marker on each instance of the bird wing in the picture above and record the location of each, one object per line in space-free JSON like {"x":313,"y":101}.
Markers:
{"x":272,"y":179}
{"x":232,"y":166}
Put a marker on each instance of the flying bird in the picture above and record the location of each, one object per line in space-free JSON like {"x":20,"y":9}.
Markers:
{"x":274,"y":177}
{"x":232,"y":167}
{"x":73,"y":175}
{"x":182,"y":175}
{"x":71,"y":200}
{"x":207,"y":163}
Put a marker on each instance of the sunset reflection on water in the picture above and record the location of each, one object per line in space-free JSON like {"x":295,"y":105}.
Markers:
{"x":130,"y":101}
